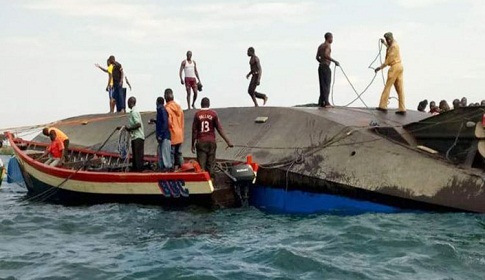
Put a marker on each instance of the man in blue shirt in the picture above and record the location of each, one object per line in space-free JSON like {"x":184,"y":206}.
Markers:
{"x":163,"y":136}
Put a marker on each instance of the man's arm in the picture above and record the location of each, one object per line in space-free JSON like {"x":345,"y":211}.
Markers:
{"x":109,"y":81}
{"x":196,"y":72}
{"x":131,"y":128}
{"x":137,"y":119}
{"x":384,"y":43}
{"x":260,"y":70}
{"x":127,"y":82}
{"x":180,"y":71}
{"x":99,"y":66}
{"x":195,"y":132}
{"x":250,"y":71}
{"x":122,"y":76}
{"x":389,"y":58}
{"x":318,"y":56}
{"x":218,"y":126}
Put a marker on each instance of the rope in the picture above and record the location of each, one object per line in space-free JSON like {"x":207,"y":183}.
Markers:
{"x":124,"y":144}
{"x":353,"y":87}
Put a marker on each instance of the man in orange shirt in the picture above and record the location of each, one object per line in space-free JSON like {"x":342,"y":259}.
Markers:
{"x":61,"y":135}
{"x":55,"y":149}
{"x":394,"y":75}
{"x":176,"y":127}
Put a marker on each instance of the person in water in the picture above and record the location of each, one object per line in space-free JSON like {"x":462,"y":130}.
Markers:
{"x":324,"y":59}
{"x":255,"y":72}
{"x":394,"y":75}
{"x":206,"y":122}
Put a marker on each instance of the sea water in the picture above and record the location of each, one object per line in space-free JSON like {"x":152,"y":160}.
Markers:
{"x":129,"y":241}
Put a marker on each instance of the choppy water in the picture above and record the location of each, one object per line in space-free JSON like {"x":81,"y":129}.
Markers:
{"x":113,"y":241}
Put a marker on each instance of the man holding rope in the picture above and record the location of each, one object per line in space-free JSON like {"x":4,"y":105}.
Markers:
{"x":324,"y":72}
{"x":394,"y":75}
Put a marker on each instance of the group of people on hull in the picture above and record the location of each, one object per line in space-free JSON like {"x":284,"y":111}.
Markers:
{"x":394,"y":75}
{"x":169,"y":128}
{"x":170,"y":116}
{"x":191,"y":81}
{"x":443,"y":105}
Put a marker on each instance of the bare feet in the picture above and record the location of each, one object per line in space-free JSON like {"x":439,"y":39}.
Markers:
{"x":265,"y":100}
{"x":328,"y":106}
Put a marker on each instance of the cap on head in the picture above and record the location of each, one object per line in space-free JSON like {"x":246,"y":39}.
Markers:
{"x":389,"y":36}
{"x":205,"y":103}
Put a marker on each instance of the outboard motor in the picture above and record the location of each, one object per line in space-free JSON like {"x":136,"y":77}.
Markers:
{"x":242,"y":176}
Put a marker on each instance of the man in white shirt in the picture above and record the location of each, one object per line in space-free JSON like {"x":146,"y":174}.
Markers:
{"x":191,"y":80}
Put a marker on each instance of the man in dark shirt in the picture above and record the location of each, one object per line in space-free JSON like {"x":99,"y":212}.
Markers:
{"x":255,"y":73}
{"x":163,"y":136}
{"x":204,"y":136}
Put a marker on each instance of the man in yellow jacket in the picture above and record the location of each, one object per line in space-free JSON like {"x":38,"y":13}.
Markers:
{"x":176,"y":127}
{"x":394,"y":75}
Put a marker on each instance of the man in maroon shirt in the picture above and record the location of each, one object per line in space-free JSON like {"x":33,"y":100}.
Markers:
{"x":204,"y":136}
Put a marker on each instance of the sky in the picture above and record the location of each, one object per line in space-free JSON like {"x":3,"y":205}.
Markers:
{"x":48,"y":49}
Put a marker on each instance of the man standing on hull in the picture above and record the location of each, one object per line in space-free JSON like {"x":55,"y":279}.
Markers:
{"x":191,"y":78}
{"x":324,"y":73}
{"x":256,"y":73}
{"x":118,"y":76}
{"x":394,"y":75}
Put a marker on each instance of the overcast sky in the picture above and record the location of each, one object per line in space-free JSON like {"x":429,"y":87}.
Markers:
{"x":48,"y":49}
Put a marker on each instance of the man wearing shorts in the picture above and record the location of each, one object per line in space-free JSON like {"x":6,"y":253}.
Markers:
{"x":118,"y":76}
{"x":109,"y":87}
{"x":191,"y":77}
{"x":255,"y":73}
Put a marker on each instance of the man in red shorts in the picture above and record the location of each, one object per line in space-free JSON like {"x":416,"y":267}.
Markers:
{"x":204,"y":136}
{"x":191,"y":77}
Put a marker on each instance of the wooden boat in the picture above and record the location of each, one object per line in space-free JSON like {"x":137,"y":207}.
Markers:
{"x":91,"y":177}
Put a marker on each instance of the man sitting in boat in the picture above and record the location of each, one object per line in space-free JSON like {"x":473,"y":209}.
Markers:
{"x":55,"y":150}
{"x":61,"y":135}
{"x":204,"y":136}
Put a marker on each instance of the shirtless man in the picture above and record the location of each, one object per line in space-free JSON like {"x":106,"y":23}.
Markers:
{"x":191,"y":78}
{"x":256,"y":73}
{"x":324,"y":72}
